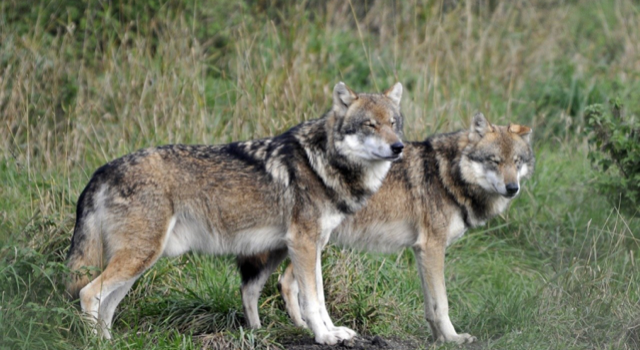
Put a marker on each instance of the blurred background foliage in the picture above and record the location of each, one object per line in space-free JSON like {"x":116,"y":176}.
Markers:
{"x":84,"y":82}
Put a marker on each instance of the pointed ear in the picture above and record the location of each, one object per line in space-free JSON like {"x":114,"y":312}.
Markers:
{"x":394,"y":93}
{"x":480,"y":126}
{"x":343,"y":97}
{"x":521,"y":130}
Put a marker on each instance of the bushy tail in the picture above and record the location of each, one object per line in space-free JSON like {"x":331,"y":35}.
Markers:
{"x":85,"y":257}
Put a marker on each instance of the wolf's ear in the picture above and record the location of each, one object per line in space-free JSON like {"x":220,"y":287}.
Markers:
{"x":394,"y":93}
{"x":480,"y":126}
{"x":521,"y":130}
{"x":343,"y":97}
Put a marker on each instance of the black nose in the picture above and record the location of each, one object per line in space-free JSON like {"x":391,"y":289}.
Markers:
{"x":512,"y":188}
{"x":397,"y":148}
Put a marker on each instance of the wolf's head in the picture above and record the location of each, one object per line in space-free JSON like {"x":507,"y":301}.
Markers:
{"x":368,"y":127}
{"x":497,"y":157}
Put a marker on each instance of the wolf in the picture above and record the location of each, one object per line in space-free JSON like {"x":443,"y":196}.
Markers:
{"x":440,"y":188}
{"x":285,"y":193}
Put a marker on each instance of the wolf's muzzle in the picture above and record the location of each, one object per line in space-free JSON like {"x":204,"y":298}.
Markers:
{"x":512,"y":189}
{"x":397,"y":148}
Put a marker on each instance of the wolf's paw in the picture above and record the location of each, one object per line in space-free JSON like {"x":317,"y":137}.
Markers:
{"x":300,"y":323}
{"x":106,"y":334}
{"x":335,"y":335}
{"x":327,"y":339}
{"x":464,"y":338}
{"x":350,"y":333}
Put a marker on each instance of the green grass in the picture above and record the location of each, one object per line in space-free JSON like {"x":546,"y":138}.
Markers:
{"x":87,"y":82}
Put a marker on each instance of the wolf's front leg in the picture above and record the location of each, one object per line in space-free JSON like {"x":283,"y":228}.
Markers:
{"x":304,"y":252}
{"x":346,"y":333}
{"x":430,"y":260}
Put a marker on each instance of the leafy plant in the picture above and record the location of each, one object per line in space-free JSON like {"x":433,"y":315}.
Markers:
{"x":615,"y":140}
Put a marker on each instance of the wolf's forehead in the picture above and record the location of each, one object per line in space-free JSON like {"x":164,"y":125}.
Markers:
{"x":502,"y":143}
{"x":374,"y":106}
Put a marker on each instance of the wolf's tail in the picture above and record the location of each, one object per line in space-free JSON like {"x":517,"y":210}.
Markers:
{"x":85,"y":256}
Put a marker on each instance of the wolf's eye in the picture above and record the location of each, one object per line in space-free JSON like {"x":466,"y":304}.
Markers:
{"x":369,"y":123}
{"x":393,"y":122}
{"x":494,"y":161}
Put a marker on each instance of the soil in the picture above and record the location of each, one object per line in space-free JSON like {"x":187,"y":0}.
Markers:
{"x":365,"y":342}
{"x":358,"y":343}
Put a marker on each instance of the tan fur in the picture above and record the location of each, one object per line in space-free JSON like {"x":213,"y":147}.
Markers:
{"x":285,"y":193}
{"x":427,"y":201}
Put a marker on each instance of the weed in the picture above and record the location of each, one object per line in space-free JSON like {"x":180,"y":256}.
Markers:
{"x":615,"y":140}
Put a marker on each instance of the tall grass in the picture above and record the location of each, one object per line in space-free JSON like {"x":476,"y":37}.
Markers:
{"x":84,"y":83}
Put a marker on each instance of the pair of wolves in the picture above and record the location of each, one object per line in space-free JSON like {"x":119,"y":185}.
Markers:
{"x":264,"y":199}
{"x":440,"y":188}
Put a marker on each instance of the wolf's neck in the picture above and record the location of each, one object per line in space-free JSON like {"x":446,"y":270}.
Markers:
{"x":348,"y":183}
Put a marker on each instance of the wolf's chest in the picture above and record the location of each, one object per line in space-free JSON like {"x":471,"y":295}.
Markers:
{"x":456,"y":228}
{"x":377,"y":236}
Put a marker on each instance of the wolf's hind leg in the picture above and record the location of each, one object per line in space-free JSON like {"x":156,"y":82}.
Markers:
{"x":134,"y":247}
{"x":91,"y":297}
{"x":289,"y":291}
{"x":108,"y":306}
{"x":255,"y":271}
{"x":100,"y":298}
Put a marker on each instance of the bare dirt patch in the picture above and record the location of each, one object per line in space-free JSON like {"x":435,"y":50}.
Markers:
{"x":358,"y":343}
{"x":367,"y":342}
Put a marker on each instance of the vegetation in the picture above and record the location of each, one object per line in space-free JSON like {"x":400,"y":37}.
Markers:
{"x":616,"y":141}
{"x":83,"y":82}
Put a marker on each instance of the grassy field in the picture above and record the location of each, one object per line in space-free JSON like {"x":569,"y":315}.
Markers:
{"x":82,"y":83}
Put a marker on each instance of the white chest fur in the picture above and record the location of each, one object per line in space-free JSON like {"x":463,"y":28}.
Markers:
{"x":376,"y":174}
{"x":328,"y":223}
{"x":456,"y":228}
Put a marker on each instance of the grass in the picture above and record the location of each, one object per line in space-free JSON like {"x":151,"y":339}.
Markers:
{"x":86,"y":82}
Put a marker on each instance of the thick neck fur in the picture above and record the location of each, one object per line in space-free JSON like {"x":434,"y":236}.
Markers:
{"x":349,"y":182}
{"x":477,"y":205}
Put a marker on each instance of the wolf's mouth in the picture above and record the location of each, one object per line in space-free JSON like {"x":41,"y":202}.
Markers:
{"x":506,"y":194}
{"x":503,"y":194}
{"x":391,"y":157}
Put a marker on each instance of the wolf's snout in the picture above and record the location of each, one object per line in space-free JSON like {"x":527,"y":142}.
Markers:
{"x":397,"y":147}
{"x":512,"y":188}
